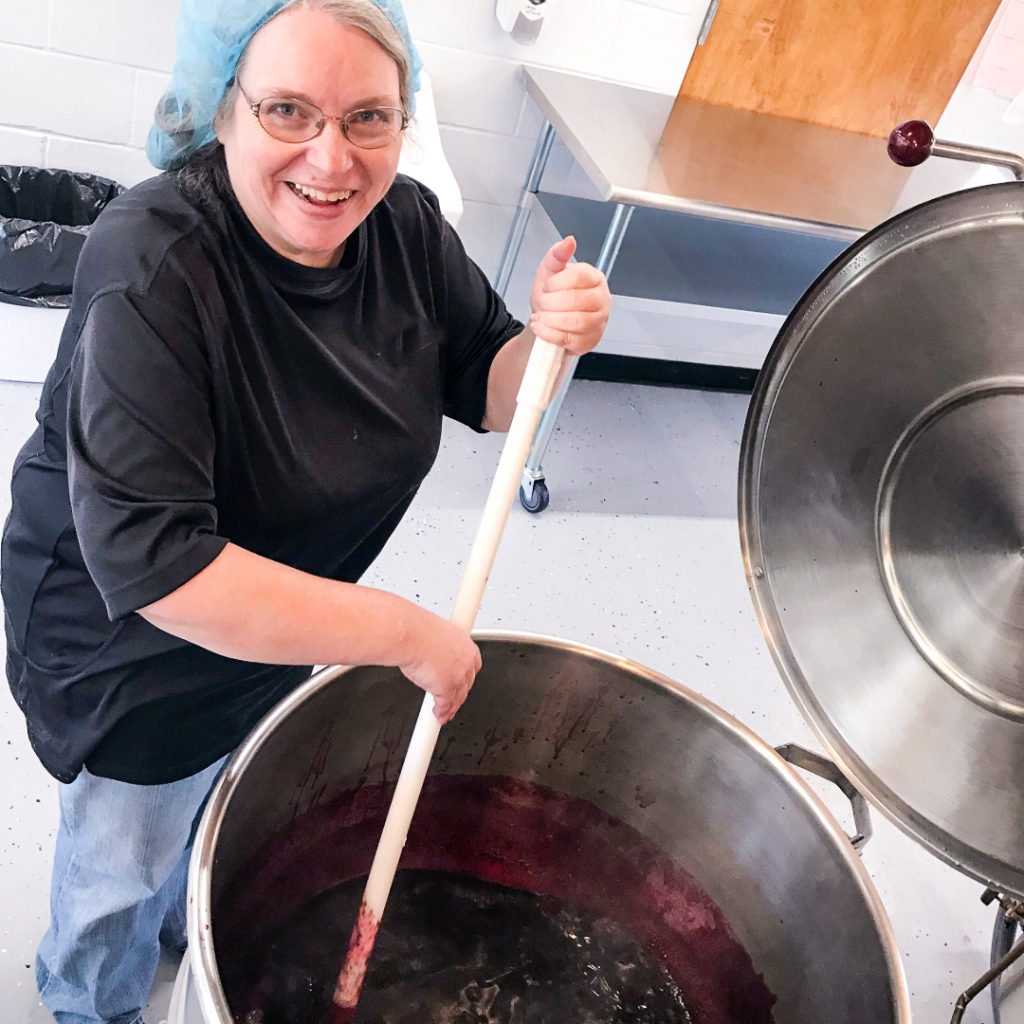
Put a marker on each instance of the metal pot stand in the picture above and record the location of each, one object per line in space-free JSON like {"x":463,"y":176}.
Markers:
{"x":881,"y":506}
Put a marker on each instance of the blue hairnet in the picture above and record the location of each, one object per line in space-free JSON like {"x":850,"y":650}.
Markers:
{"x":211,"y":35}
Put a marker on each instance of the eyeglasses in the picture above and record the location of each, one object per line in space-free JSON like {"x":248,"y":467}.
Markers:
{"x":292,"y":120}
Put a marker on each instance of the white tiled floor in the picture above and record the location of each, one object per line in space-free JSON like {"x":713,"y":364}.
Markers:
{"x":638,"y":554}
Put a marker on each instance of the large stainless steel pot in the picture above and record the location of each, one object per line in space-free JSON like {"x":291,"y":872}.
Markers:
{"x":882,"y":517}
{"x":637,"y":745}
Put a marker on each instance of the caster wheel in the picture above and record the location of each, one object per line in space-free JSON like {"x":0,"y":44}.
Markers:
{"x":540,"y":498}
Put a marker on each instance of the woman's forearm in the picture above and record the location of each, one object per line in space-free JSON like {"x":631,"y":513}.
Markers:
{"x":248,"y":607}
{"x":252,"y":608}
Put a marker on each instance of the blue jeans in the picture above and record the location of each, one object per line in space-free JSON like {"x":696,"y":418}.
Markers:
{"x":118,"y":892}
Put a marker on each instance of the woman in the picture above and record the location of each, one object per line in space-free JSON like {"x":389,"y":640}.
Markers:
{"x":248,"y":392}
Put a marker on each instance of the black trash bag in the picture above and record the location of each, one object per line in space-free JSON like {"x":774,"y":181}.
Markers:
{"x":45,"y":216}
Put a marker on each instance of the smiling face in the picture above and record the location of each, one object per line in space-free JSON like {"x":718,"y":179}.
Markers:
{"x":306,"y":198}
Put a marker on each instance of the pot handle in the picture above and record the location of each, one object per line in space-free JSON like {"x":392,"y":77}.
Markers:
{"x":800,"y":757}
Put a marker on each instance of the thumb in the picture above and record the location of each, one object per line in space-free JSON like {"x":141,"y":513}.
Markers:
{"x":556,"y":259}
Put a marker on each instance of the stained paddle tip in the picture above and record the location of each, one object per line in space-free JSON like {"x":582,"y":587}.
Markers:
{"x":342,"y":1014}
{"x":353,"y":971}
{"x":346,"y":994}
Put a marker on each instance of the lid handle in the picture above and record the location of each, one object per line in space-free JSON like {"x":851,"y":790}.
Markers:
{"x":912,"y":142}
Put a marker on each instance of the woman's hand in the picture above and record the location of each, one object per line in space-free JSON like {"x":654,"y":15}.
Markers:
{"x":444,"y":662}
{"x":570,"y":301}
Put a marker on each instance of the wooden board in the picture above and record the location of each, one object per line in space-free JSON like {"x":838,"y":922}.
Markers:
{"x":858,"y":65}
{"x":752,"y":161}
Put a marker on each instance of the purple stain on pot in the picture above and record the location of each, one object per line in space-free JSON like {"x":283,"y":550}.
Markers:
{"x":560,"y":714}
{"x":645,"y":796}
{"x":311,"y":788}
{"x":515,"y":905}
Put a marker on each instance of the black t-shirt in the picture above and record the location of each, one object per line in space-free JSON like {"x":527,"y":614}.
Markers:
{"x":207,"y":390}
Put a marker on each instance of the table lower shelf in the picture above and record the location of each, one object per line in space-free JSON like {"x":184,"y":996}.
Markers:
{"x":678,"y":257}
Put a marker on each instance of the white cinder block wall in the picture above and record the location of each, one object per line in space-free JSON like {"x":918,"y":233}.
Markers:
{"x":79,"y":80}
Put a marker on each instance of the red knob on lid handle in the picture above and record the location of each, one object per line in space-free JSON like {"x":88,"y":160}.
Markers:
{"x":911,"y":143}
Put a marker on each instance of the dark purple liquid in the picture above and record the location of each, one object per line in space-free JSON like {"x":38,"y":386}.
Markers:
{"x":454,"y":949}
{"x":529,"y":843}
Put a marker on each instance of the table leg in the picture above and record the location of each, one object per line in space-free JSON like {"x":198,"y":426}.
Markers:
{"x":518,"y":229}
{"x":533,"y":492}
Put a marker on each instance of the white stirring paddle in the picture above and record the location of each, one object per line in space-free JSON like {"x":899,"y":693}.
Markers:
{"x":534,"y":393}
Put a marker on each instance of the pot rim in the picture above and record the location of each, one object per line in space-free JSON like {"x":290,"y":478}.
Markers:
{"x":201,"y":947}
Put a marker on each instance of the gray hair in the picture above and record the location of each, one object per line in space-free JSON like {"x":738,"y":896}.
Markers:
{"x":362,"y":14}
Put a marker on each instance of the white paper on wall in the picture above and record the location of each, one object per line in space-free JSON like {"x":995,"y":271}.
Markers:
{"x":998,"y":65}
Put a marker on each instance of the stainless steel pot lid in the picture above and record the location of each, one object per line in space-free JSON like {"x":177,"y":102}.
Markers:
{"x":882,"y":521}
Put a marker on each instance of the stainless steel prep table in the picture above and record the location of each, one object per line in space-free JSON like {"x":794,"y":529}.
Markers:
{"x":759,"y":177}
